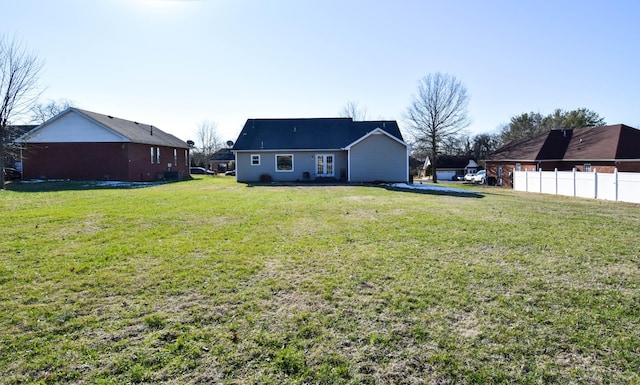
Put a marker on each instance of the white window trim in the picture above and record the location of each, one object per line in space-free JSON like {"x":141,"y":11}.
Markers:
{"x":153,"y":155}
{"x":251,"y":159}
{"x":292,"y":162}
{"x":587,"y":167}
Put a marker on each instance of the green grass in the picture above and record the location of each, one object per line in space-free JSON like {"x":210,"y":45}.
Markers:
{"x":210,"y":281}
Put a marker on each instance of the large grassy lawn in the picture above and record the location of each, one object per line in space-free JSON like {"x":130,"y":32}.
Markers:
{"x":211,"y":281}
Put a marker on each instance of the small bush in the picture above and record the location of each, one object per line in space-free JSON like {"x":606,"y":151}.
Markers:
{"x":265,"y":178}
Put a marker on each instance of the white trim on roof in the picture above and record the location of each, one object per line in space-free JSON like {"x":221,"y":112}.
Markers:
{"x":374,"y":132}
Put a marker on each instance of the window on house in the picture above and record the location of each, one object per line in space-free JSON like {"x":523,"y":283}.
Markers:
{"x":158,"y":155}
{"x":518,"y":167}
{"x":255,"y":159}
{"x":284,"y":162}
{"x":587,"y":167}
{"x":153,"y":155}
{"x":175,"y":157}
{"x":186,"y":157}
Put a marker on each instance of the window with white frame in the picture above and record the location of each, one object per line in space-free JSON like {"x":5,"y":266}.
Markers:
{"x":186,"y":157}
{"x":284,"y":162}
{"x":175,"y":157}
{"x":255,"y":159}
{"x":153,"y":155}
{"x":518,"y":167}
{"x":158,"y":155}
{"x":587,"y":167}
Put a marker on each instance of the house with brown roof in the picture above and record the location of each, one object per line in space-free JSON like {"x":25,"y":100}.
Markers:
{"x":83,"y":145}
{"x":587,"y":149}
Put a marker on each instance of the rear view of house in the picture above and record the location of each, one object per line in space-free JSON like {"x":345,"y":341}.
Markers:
{"x":321,"y":149}
{"x":84,"y":145}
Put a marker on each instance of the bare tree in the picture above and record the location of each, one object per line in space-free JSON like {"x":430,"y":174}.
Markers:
{"x":19,"y":87}
{"x":207,"y":142}
{"x":42,"y":112}
{"x":354,"y":111}
{"x":437,"y":113}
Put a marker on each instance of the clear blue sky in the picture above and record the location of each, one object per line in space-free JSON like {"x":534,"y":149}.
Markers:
{"x":176,"y":63}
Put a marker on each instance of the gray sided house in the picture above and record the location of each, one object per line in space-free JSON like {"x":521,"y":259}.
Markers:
{"x":321,"y":149}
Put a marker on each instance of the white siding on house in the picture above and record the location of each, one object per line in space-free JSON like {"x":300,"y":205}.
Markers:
{"x":74,"y":128}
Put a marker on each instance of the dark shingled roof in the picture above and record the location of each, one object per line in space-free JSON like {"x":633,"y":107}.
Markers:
{"x":136,"y":132}
{"x":591,"y":143}
{"x":453,"y":161}
{"x":223,"y":154}
{"x":307,"y":134}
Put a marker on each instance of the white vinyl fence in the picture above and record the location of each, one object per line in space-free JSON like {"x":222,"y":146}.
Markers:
{"x":619,"y":186}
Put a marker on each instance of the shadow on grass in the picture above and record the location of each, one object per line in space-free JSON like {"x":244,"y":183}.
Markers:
{"x":434,"y":191}
{"x":415,"y":189}
{"x":69,"y":185}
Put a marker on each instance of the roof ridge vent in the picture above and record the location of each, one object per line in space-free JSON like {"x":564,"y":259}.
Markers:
{"x":109,"y":116}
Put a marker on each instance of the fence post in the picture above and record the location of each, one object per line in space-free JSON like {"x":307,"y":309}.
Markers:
{"x":540,"y":177}
{"x":595,"y":184}
{"x":574,"y":181}
{"x":556,"y":174}
{"x":615,"y":181}
{"x":526,"y":180}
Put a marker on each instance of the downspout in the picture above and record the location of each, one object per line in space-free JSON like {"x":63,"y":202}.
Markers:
{"x":349,"y":165}
{"x":408,"y":176}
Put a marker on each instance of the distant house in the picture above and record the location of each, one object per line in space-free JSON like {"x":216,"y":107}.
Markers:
{"x":452,"y":167}
{"x":585,"y":149}
{"x":83,"y":145}
{"x":222,"y":160}
{"x":321,"y":149}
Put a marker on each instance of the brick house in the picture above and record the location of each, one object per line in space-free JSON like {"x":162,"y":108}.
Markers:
{"x":585,"y":149}
{"x":83,"y":145}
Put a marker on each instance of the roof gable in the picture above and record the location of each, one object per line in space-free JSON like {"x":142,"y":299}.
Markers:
{"x":76,"y":125}
{"x":308,"y":134}
{"x":376,"y":131}
{"x":70,"y":126}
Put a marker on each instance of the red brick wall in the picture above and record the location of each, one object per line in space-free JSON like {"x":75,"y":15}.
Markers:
{"x":97,"y":161}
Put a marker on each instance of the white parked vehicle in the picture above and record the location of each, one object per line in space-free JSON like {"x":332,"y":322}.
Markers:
{"x":480,"y":177}
{"x":469,"y":177}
